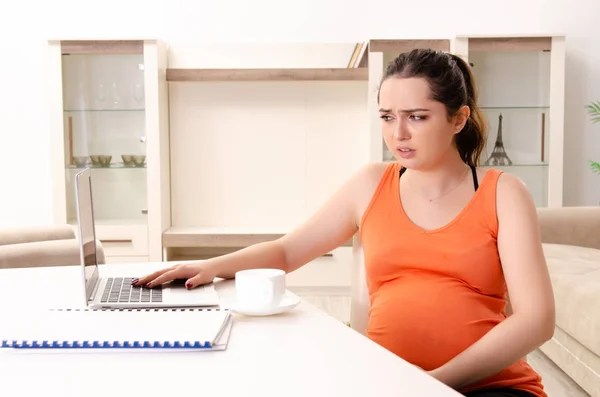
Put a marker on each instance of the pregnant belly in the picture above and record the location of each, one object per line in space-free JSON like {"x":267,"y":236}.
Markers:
{"x":429,"y":320}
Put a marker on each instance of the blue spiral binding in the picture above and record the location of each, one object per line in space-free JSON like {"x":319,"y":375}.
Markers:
{"x":24,"y":344}
{"x":65,"y":344}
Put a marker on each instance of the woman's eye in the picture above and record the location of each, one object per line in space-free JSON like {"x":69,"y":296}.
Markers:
{"x":385,"y":117}
{"x":418,"y":118}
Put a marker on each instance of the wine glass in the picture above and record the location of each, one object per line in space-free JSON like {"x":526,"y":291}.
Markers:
{"x":138,"y":93}
{"x":101,"y":93}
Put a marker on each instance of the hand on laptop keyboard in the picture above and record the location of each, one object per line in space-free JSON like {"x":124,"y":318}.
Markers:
{"x":193,"y":274}
{"x":119,"y":289}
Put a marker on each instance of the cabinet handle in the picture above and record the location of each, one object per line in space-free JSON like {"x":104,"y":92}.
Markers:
{"x":144,"y":211}
{"x":116,"y":241}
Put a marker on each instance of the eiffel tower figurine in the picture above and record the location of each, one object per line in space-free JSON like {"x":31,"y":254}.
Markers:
{"x":498,"y":156}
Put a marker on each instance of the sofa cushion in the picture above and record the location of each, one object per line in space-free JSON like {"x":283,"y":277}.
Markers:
{"x":570,"y":225}
{"x":44,"y":253}
{"x":575,"y":275}
{"x":31,"y":234}
{"x":574,"y":359}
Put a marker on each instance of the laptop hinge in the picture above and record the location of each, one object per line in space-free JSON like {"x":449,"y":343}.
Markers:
{"x":96,"y":288}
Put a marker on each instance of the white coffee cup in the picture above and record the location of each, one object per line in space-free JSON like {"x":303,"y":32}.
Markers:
{"x":260,"y":289}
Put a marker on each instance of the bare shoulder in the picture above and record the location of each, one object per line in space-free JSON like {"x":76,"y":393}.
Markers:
{"x":377,"y":169}
{"x":371,"y":173}
{"x":513,"y":199}
{"x":511,"y":187}
{"x":357,"y":191}
{"x":366,"y":182}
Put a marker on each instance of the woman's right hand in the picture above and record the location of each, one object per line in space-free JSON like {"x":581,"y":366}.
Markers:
{"x":195,"y":274}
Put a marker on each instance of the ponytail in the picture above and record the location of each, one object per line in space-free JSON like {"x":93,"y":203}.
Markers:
{"x":470,"y":142}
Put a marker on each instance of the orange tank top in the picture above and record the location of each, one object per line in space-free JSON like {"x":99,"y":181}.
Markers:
{"x":433,"y":293}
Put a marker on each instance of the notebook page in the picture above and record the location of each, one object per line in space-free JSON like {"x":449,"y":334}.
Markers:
{"x":142,"y":325}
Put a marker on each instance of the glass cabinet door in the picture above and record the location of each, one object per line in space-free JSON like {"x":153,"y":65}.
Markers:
{"x":513,"y":77}
{"x":104,"y":130}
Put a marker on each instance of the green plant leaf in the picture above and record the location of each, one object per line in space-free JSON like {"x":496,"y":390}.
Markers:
{"x":595,"y":167}
{"x":594,"y":111}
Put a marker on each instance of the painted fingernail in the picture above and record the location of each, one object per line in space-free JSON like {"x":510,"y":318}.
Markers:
{"x":188,"y":285}
{"x":135,"y":281}
{"x":149,"y":285}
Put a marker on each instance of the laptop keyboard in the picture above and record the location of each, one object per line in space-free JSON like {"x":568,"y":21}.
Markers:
{"x":119,"y":290}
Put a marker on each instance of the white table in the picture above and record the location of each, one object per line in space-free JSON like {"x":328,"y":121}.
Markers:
{"x":304,"y":352}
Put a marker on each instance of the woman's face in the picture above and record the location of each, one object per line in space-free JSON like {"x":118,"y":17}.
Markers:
{"x":416,"y":129}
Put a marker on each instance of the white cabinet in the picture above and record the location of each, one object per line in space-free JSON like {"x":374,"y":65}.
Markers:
{"x":521,"y":82}
{"x":109,"y":112}
{"x":242,"y":142}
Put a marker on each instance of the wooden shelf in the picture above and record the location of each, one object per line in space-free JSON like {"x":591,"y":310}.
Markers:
{"x":201,"y":237}
{"x":102,"y":47}
{"x":276,"y":74}
{"x":398,"y":46}
{"x":510,"y":44}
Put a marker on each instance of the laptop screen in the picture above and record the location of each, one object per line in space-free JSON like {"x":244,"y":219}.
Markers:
{"x":87,"y":232}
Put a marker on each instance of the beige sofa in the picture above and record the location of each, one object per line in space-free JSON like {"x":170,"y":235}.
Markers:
{"x":47,"y":245}
{"x":571,"y":237}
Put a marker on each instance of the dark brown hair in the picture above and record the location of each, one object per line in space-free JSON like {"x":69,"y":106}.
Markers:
{"x":451,"y":83}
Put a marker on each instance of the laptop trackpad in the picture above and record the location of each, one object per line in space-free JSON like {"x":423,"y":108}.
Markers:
{"x":200,"y":294}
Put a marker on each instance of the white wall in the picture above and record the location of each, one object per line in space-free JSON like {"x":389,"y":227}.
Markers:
{"x":25,"y":196}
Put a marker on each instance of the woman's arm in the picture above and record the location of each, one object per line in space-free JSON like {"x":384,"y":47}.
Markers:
{"x":331,"y":226}
{"x":529,"y":287}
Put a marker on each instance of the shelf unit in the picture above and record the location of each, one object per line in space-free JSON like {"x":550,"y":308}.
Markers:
{"x":184,"y":243}
{"x":268,"y":74}
{"x":216,"y":99}
{"x":268,"y":67}
{"x":521,"y":83}
{"x":276,"y":125}
{"x":244,"y":141}
{"x":109,"y":98}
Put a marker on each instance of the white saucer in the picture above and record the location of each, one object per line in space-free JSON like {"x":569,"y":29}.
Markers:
{"x":287,"y":303}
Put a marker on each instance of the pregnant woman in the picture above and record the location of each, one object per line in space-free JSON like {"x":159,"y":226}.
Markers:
{"x":445,"y":242}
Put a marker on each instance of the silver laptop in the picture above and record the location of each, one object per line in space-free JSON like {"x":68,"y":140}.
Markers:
{"x":115,"y":291}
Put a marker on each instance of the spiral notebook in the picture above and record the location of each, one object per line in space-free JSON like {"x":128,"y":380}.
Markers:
{"x":196,"y":329}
